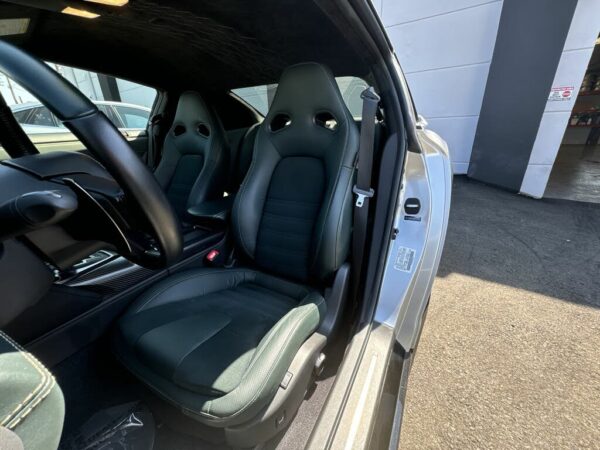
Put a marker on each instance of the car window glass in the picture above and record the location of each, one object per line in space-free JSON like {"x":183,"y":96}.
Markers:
{"x":49,"y":134}
{"x":133,"y":117}
{"x":261,"y":97}
{"x":41,"y":116}
{"x":21,"y":116}
{"x":110,"y":113}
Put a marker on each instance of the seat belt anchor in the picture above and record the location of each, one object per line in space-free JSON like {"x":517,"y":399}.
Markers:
{"x":361,"y":194}
{"x":370,"y":94}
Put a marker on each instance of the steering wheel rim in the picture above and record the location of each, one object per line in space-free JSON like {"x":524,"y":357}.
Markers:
{"x":104,"y":141}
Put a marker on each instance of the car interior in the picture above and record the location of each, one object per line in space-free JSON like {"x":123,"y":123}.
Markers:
{"x":204,"y":287}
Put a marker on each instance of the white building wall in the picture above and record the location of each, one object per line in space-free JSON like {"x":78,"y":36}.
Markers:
{"x":445,"y":48}
{"x":571,"y":69}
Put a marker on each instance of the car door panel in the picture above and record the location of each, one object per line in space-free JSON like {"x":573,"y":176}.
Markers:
{"x":138,"y":140}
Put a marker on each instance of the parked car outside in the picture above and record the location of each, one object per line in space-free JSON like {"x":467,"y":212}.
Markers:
{"x":48,"y":133}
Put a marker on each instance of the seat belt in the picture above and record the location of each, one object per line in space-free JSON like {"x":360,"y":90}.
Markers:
{"x":362,"y":189}
{"x":154,"y":131}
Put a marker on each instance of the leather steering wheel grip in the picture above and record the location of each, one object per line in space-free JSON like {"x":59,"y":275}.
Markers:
{"x":103,"y":140}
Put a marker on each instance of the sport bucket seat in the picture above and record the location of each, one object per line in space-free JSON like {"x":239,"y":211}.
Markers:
{"x":193,"y":167}
{"x":217,"y":342}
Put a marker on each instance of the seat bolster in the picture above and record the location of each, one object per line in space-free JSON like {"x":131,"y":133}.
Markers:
{"x":334,"y":229}
{"x":250,"y":200}
{"x":189,"y":284}
{"x":269,"y":365}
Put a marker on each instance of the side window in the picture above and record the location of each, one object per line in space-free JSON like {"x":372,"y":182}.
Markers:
{"x":133,"y":117}
{"x":41,"y":116}
{"x":21,"y":116}
{"x":261,"y":97}
{"x":125,"y":103}
{"x":351,"y":88}
{"x":111,"y":114}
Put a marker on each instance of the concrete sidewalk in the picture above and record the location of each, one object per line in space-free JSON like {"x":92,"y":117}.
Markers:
{"x":510,"y":352}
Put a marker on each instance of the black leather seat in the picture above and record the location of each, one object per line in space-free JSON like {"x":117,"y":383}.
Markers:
{"x":195,"y":156}
{"x":217,"y":342}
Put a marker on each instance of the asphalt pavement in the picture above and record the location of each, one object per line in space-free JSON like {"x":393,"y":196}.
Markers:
{"x":509,"y":356}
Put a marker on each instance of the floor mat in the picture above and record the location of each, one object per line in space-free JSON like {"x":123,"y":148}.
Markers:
{"x":96,"y":387}
{"x":93,"y":381}
{"x":124,"y":427}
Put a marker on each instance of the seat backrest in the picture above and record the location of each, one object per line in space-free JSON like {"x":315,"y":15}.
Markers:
{"x":195,"y":156}
{"x":241,"y":146}
{"x":293,"y":212}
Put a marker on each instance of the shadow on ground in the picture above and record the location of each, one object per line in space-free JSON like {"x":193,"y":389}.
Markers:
{"x":547,"y":246}
{"x":508,"y":357}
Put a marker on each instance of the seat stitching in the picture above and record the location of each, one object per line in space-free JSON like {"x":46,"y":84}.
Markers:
{"x":271,"y":248}
{"x":276,"y":294}
{"x":286,"y":233}
{"x":340,"y":219}
{"x":39,"y":392}
{"x":238,"y":198}
{"x":179,"y":280}
{"x":210,"y":164}
{"x":271,"y":315}
{"x":272,"y":368}
{"x":283,"y":200}
{"x":329,"y":203}
{"x":299,"y":320}
{"x":209,"y":402}
{"x":287,"y":216}
{"x":194,"y":347}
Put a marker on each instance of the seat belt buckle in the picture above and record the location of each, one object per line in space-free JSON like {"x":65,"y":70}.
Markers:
{"x":361,"y":194}
{"x":156,"y":118}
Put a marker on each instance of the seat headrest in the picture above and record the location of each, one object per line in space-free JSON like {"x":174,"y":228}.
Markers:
{"x":192,"y":111}
{"x":307,"y":92}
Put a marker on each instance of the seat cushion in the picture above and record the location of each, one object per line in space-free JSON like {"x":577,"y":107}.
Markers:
{"x":217,"y":342}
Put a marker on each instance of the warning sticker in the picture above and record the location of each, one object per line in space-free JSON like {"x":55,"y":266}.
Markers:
{"x":561,"y":94}
{"x":404,"y":259}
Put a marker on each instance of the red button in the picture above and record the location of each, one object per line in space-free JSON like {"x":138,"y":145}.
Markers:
{"x":211,"y":256}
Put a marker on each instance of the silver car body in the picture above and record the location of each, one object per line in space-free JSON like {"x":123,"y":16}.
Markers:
{"x":412,"y":260}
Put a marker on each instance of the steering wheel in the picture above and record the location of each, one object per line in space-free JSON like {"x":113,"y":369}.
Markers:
{"x":104,"y":141}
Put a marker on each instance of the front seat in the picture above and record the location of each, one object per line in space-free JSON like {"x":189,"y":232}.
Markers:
{"x":195,"y":156}
{"x":217,"y":342}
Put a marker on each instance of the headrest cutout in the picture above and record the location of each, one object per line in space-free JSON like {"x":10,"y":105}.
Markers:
{"x":178,"y":130}
{"x":280,"y":122}
{"x":326,"y":120}
{"x":203,"y":130}
{"x":309,"y":94}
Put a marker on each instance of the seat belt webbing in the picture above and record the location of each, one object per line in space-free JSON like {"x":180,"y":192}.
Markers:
{"x":154,"y":131}
{"x":362,"y":188}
